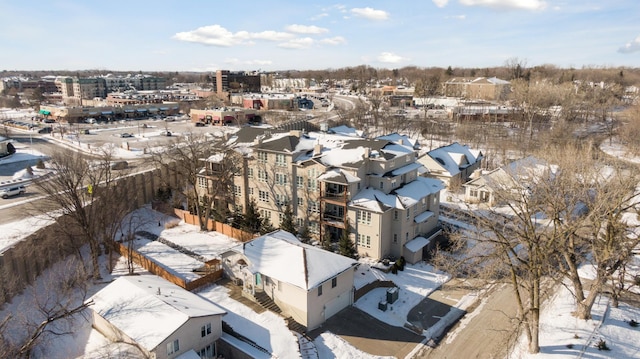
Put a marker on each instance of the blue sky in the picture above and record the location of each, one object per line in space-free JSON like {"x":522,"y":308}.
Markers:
{"x":207,"y":35}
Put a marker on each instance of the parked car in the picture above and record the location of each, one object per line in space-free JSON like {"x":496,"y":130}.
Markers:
{"x":12,"y":191}
{"x":120,"y":165}
{"x":200,"y":124}
{"x":126,"y":135}
{"x":165,"y":133}
{"x":46,"y":130}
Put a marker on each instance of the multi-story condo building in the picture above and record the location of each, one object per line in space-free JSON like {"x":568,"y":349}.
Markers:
{"x":372,"y":188}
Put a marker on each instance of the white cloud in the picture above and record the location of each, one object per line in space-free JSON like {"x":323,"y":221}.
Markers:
{"x":507,"y":4}
{"x":389,"y":57}
{"x":370,"y":13}
{"x":217,"y":35}
{"x":258,"y":62}
{"x":319,"y":16}
{"x":440,"y":3}
{"x":299,"y":43}
{"x":630,"y":47}
{"x":337,"y":40}
{"x":303,"y":29}
{"x":457,"y":17}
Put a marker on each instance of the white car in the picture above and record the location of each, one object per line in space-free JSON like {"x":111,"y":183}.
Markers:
{"x":12,"y":191}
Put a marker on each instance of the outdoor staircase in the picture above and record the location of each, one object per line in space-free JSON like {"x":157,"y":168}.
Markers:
{"x":266,"y":302}
{"x":295,"y":326}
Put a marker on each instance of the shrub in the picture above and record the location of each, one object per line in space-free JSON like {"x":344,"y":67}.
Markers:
{"x":40,"y":164}
{"x":602,"y":345}
{"x":633,"y":323}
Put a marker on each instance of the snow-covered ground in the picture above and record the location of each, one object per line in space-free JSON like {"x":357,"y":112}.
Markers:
{"x":564,"y":336}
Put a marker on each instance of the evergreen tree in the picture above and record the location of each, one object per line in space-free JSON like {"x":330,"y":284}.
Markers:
{"x":252,"y":221}
{"x":287,"y":221}
{"x":346,"y":246}
{"x":304,"y":235}
{"x":266,"y":226}
{"x":326,"y":242}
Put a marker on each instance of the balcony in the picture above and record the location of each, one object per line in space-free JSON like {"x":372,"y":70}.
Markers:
{"x":333,"y":219}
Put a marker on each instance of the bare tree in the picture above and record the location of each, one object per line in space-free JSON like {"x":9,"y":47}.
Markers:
{"x":184,"y":159}
{"x":84,"y":191}
{"x":55,"y":307}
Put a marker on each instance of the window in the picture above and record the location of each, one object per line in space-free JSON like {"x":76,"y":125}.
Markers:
{"x":395,"y":238}
{"x":265,"y":214}
{"x":299,"y":181}
{"x":300,"y":222}
{"x":282,"y":199}
{"x":474,"y":193}
{"x":320,"y":290}
{"x":408,"y":213}
{"x":263,"y":176}
{"x":173,"y":347}
{"x":251,"y":191}
{"x":263,"y":196}
{"x":364,"y":241}
{"x":363,"y":217}
{"x":262,"y":157}
{"x":381,"y":185}
{"x":281,"y":179}
{"x":300,"y":201}
{"x":334,"y":282}
{"x":314,"y":207}
{"x":281,"y":160}
{"x":250,"y":172}
{"x":314,"y":227}
{"x":395,"y":214}
{"x":237,"y":190}
{"x":205,"y":330}
{"x":202,"y":182}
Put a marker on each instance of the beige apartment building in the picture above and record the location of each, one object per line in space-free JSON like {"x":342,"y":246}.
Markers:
{"x":370,"y":187}
{"x":477,"y":88}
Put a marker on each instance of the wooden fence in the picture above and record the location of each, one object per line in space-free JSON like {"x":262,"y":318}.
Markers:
{"x":212,"y":225}
{"x":214,"y":271}
{"x":370,"y":286}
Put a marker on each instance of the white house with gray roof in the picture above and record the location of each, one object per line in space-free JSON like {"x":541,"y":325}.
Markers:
{"x":306,"y":282}
{"x":159,"y":318}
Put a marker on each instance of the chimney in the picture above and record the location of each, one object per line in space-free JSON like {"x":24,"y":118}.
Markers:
{"x":367,"y":152}
{"x":295,"y":133}
{"x":317,"y":149}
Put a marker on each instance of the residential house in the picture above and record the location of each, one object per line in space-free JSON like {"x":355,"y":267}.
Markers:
{"x":306,"y":282}
{"x":519,"y":175}
{"x":168,"y":322}
{"x":452,"y":164}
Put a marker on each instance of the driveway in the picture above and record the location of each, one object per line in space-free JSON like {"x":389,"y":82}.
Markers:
{"x":370,"y":335}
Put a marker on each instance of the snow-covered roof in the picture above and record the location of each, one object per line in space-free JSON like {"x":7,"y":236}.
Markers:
{"x":338,"y":175}
{"x":417,"y":189}
{"x":280,"y":255}
{"x":416,"y":244}
{"x":160,"y":307}
{"x":341,"y":157}
{"x":400,"y":139}
{"x":375,"y":200}
{"x":454,"y":156}
{"x":346,"y":131}
{"x":423,"y":216}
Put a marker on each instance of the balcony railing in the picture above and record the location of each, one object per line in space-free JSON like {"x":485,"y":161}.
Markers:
{"x":331,"y":216}
{"x":335,"y":194}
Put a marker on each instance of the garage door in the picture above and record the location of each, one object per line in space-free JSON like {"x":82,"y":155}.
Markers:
{"x":336,"y":305}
